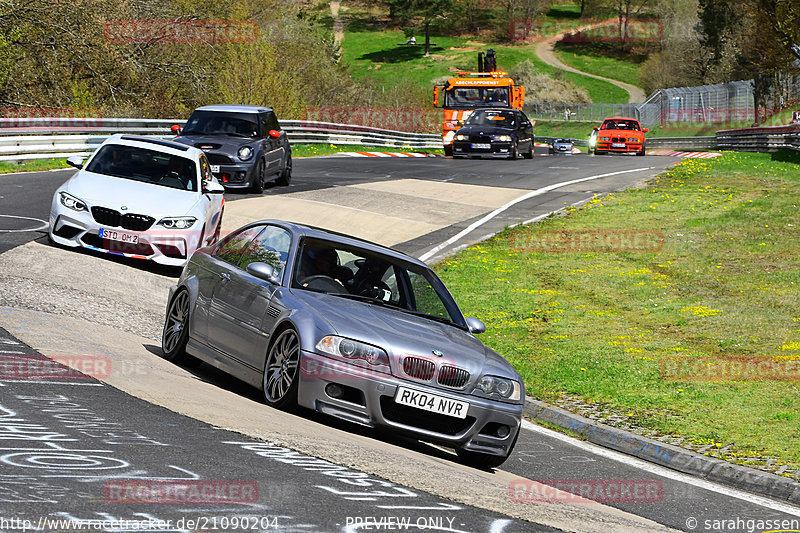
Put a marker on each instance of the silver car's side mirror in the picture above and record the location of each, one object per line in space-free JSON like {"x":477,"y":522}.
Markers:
{"x":476,"y":327}
{"x":263,"y":271}
{"x":76,"y":161}
{"x":212,"y":187}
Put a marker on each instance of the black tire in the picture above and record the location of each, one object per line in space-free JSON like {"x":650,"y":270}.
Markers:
{"x":218,"y":231}
{"x":176,"y":329}
{"x":598,"y":152}
{"x":448,"y":150}
{"x":258,"y":177}
{"x":286,"y":174}
{"x":281,"y":370}
{"x":515,"y":152}
{"x":642,"y":152}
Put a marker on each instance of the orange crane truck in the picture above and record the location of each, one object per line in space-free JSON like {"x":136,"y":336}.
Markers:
{"x":468,"y":91}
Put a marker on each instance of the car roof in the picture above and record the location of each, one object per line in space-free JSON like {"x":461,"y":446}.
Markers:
{"x":302,"y":230}
{"x":155,"y":144}
{"x":233,"y":108}
{"x":622,"y":118}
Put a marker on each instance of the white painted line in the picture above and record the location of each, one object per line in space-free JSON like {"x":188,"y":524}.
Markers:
{"x":658,"y":470}
{"x":9,"y":341}
{"x":10,"y":381}
{"x":44,"y":225}
{"x":472,"y":227}
{"x":9,"y":351}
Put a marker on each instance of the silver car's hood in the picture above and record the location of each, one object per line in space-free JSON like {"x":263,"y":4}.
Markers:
{"x":402,"y":334}
{"x":137,"y":197}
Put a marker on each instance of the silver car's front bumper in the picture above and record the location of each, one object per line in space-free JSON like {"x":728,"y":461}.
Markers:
{"x":369,"y":400}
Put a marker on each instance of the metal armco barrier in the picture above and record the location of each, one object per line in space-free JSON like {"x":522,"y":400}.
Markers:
{"x":25,"y":138}
{"x":684,"y":143}
{"x":764,"y":139}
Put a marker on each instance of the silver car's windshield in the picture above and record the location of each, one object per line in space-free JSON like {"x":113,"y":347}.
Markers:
{"x":383,"y":280}
{"x":149,"y":166}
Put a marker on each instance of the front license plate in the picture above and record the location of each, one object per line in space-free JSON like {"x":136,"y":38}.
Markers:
{"x":120,"y":236}
{"x":481,"y":146}
{"x":215,"y":169}
{"x":617,"y":145}
{"x":431,"y":402}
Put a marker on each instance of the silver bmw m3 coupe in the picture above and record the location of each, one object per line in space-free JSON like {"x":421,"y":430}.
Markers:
{"x":348,"y":328}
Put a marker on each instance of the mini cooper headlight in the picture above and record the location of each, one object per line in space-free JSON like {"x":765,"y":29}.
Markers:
{"x":245,"y":153}
{"x":462,"y":137}
{"x":353,"y":350}
{"x":177,"y":222}
{"x":497,"y":386}
{"x":502,"y":138}
{"x":67,"y":200}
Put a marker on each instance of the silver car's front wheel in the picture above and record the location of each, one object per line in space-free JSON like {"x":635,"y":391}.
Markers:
{"x":176,"y":329}
{"x":280,"y":370}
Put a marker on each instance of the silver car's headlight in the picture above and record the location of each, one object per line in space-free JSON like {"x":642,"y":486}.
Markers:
{"x":497,"y":386}
{"x":245,"y":153}
{"x":353,"y":351}
{"x":177,"y":222}
{"x":462,"y":137}
{"x":502,"y":138}
{"x":67,"y":200}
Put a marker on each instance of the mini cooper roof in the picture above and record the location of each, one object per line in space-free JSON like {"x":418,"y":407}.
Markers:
{"x":233,"y":108}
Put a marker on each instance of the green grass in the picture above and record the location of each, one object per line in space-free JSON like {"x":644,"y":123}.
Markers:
{"x":35,"y":165}
{"x":601,"y":59}
{"x":598,"y":326}
{"x":377,"y":56}
{"x":312,"y":150}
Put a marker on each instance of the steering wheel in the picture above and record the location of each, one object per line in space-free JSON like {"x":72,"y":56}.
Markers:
{"x":321,"y":282}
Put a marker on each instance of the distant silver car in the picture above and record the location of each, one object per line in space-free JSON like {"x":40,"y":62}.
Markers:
{"x":562,"y":146}
{"x":348,"y":328}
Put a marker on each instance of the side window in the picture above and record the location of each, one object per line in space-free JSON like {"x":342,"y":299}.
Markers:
{"x":273,"y":122}
{"x":271,"y":247}
{"x":265,"y":125}
{"x":234,"y":245}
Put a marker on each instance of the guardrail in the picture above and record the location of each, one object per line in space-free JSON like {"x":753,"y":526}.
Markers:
{"x":763,"y":139}
{"x":42,"y":138}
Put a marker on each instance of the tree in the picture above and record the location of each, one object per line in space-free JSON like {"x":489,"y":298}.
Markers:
{"x":426,"y":12}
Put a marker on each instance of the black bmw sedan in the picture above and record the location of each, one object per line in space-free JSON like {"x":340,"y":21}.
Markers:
{"x":503,"y":133}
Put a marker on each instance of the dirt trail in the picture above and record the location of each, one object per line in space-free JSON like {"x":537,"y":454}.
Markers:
{"x":546,"y":52}
{"x":338,"y":25}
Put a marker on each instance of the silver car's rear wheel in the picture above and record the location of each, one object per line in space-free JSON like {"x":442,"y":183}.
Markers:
{"x":280,"y":370}
{"x":176,"y":329}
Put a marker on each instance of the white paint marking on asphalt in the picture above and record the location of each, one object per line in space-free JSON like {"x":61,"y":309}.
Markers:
{"x":9,"y":341}
{"x":478,"y":223}
{"x":44,"y":225}
{"x":499,"y":525}
{"x":10,"y":351}
{"x":10,"y":381}
{"x":665,"y":472}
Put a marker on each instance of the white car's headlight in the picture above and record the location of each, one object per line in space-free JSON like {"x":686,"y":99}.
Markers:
{"x":502,"y":138}
{"x":67,"y":200}
{"x":177,"y":222}
{"x":503,"y":387}
{"x":462,"y":137}
{"x":353,"y":350}
{"x":448,"y":137}
{"x":245,"y":153}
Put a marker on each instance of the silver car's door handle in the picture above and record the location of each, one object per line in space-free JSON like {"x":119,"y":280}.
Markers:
{"x":225,"y":276}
